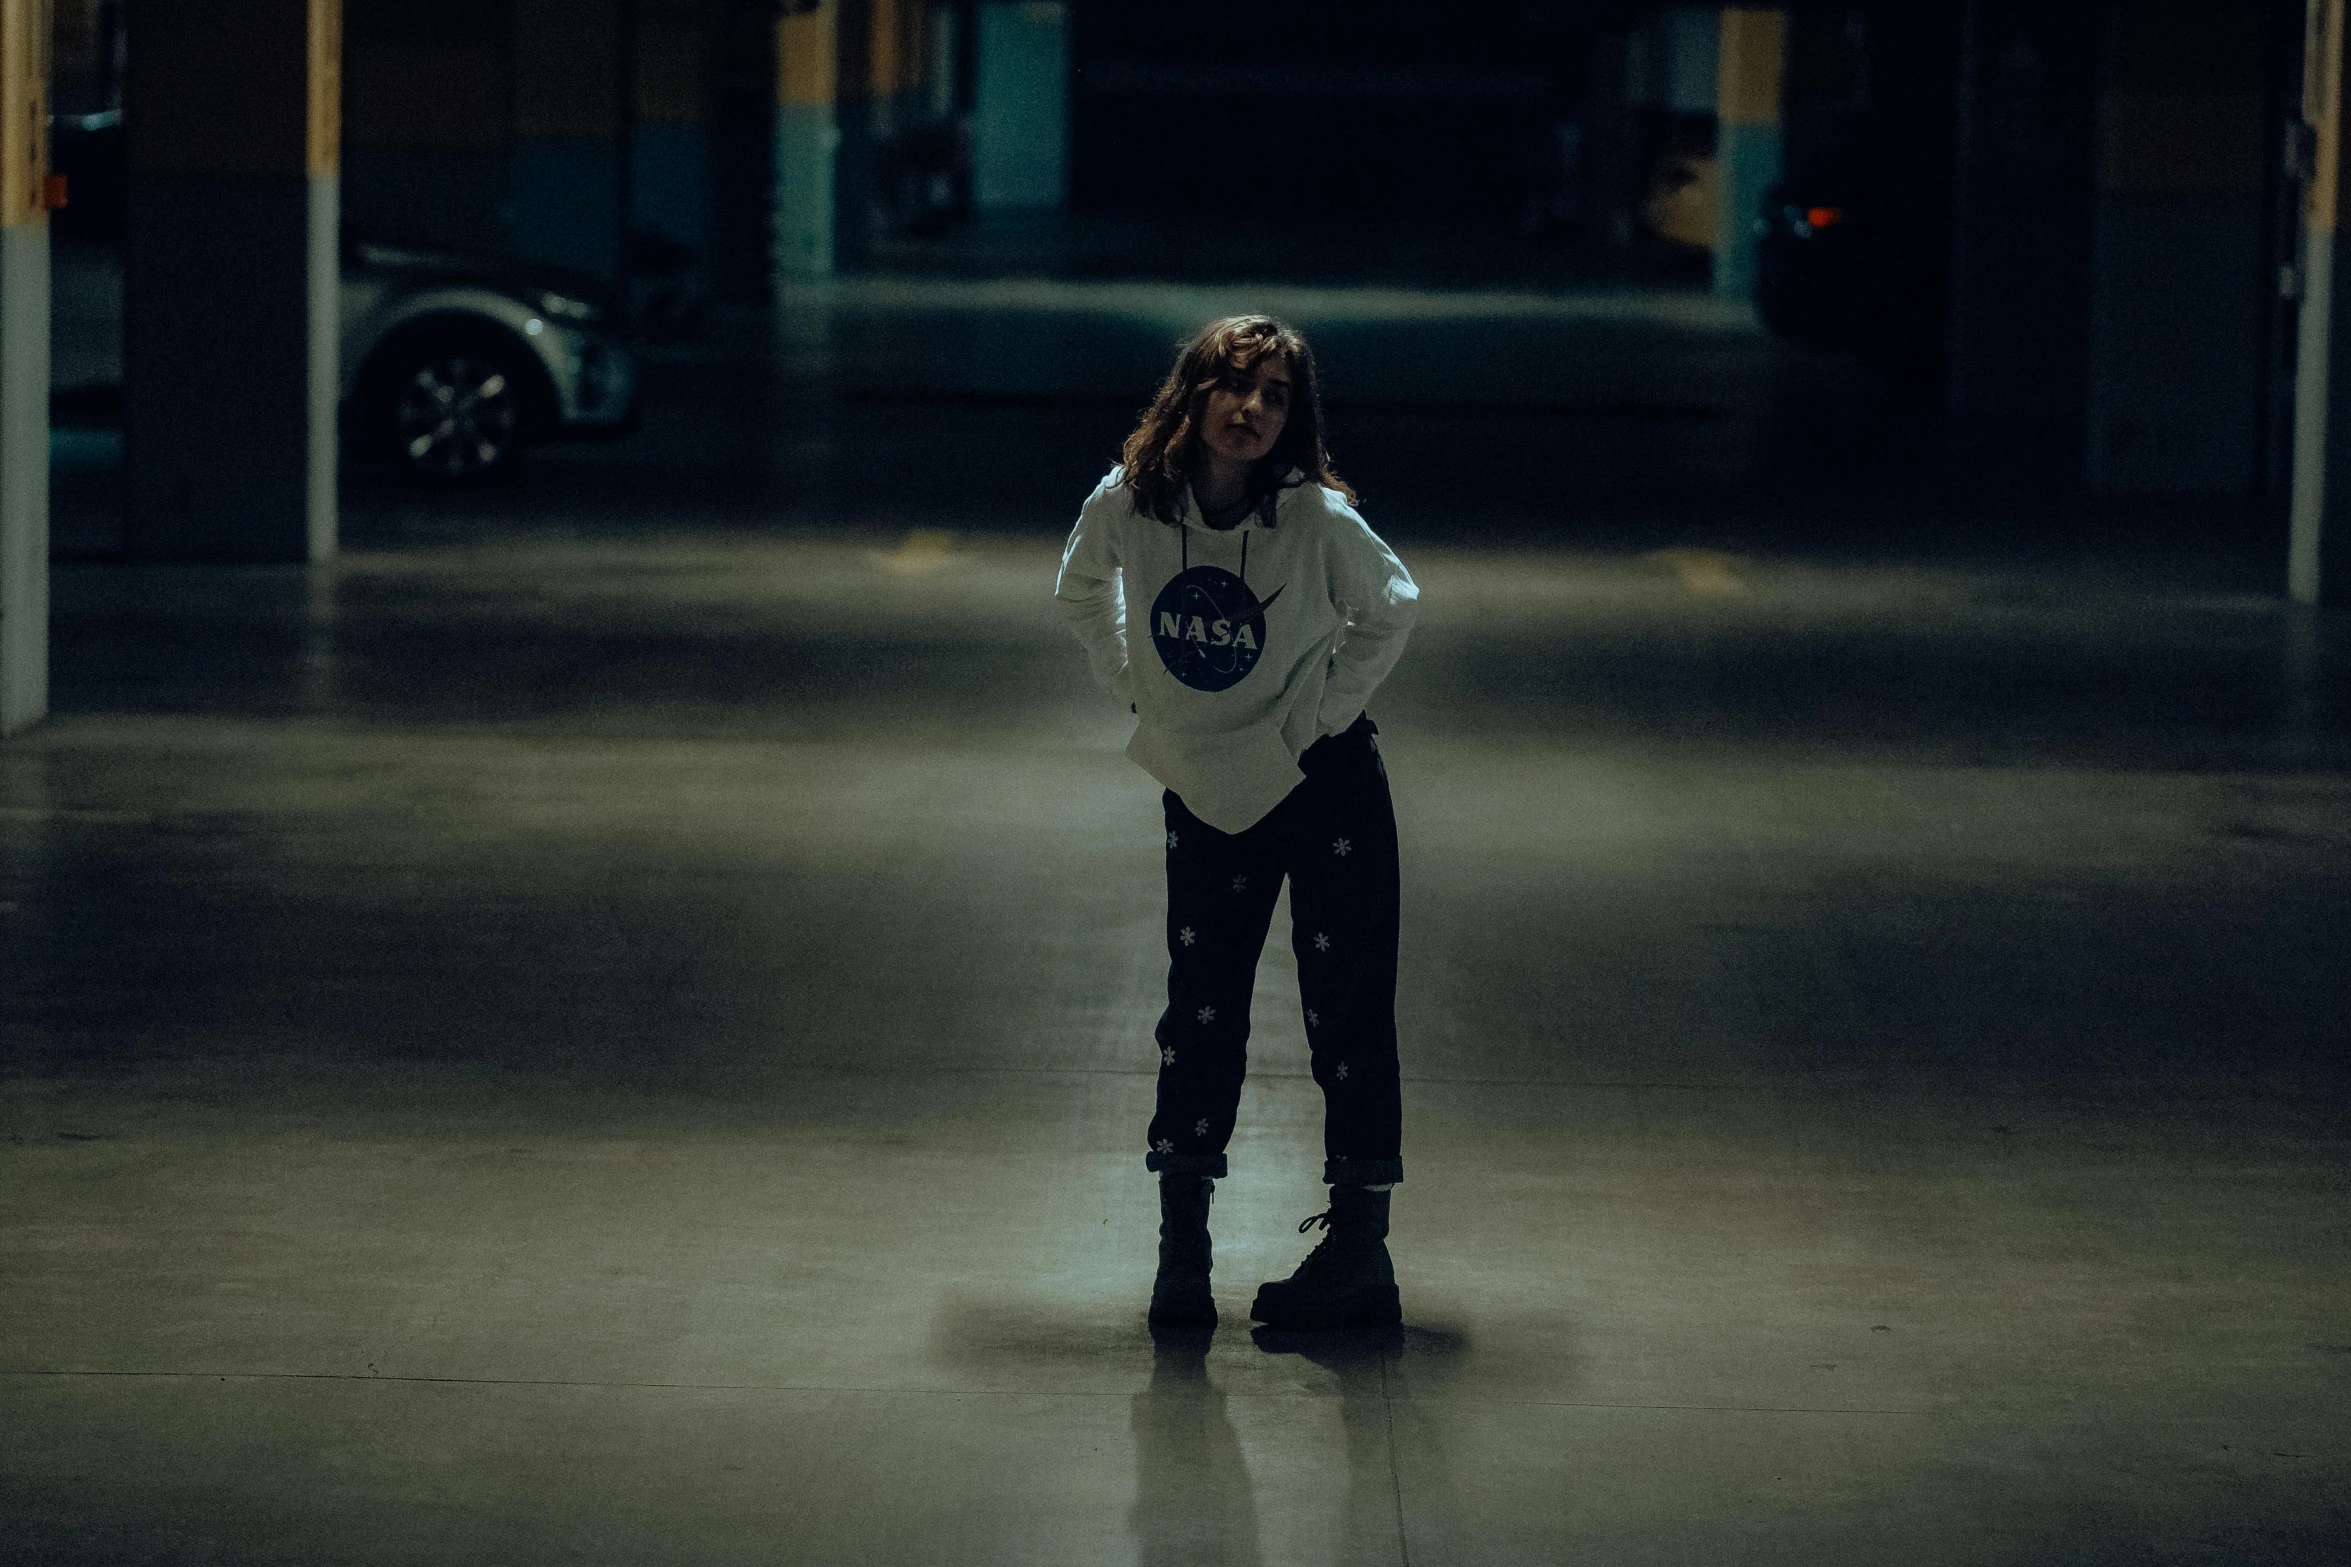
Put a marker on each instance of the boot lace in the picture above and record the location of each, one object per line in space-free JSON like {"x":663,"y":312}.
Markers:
{"x":1327,"y":1249}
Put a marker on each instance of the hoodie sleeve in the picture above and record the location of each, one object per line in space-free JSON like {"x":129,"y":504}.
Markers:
{"x":1088,"y":591}
{"x":1376,"y":599}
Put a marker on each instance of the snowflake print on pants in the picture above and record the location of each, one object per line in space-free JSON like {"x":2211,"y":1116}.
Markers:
{"x":1332,"y":840}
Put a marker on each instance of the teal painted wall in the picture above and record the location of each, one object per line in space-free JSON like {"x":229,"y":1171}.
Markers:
{"x":1748,"y":165}
{"x":24,"y":474}
{"x":564,"y":203}
{"x":230,"y":338}
{"x":1020,"y":135}
{"x":669,"y":183}
{"x":805,"y":141}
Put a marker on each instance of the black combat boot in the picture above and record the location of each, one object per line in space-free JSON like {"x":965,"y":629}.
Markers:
{"x":1179,"y":1296}
{"x":1347,"y":1281}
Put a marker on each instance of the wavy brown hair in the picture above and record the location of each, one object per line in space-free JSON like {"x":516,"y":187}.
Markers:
{"x":1165,"y":447}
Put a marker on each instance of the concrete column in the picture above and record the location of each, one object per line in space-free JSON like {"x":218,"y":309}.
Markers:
{"x":806,"y":141}
{"x":2322,"y":421}
{"x":1750,"y":62}
{"x":880,"y":198}
{"x":1020,"y":131}
{"x":898,"y":70}
{"x":24,"y":363}
{"x":232,"y":116}
{"x":739,"y":159}
{"x":943,"y":55}
{"x":860,"y":48}
{"x":568,"y":118}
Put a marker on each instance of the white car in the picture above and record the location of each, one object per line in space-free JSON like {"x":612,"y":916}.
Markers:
{"x":452,"y":365}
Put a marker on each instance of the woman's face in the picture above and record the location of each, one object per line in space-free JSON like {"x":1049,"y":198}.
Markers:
{"x":1247,"y":409}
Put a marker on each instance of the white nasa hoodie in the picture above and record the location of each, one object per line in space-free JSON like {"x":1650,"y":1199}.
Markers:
{"x":1254,"y":643}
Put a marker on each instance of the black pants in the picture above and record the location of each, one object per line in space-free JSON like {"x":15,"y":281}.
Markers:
{"x":1335,"y":838}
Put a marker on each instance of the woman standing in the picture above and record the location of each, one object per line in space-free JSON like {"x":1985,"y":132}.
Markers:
{"x":1268,"y":613}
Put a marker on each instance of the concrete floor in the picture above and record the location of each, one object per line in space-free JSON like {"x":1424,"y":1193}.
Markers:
{"x":612,"y":1025}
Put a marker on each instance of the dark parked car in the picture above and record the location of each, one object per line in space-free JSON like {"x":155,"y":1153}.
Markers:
{"x":1812,"y":264}
{"x":1855,"y":247}
{"x":1836,"y":269}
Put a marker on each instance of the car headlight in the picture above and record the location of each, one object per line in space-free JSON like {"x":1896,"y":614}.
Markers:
{"x":565,"y":308}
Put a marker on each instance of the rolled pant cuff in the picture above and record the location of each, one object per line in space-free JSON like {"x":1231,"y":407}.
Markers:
{"x":1362,"y":1172}
{"x":1208,"y":1164}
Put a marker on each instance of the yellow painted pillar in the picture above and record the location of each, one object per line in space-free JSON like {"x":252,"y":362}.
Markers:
{"x":24,"y":363}
{"x":880,"y":52}
{"x":1753,"y":59}
{"x":2322,"y":444}
{"x":885,"y":54}
{"x":232,"y":119}
{"x":914,"y":64}
{"x":862,"y":45}
{"x":806,"y":140}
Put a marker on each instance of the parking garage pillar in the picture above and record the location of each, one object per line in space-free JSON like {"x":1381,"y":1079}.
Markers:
{"x":806,"y":140}
{"x":24,"y":364}
{"x":1747,"y":138}
{"x":860,"y":122}
{"x":1020,"y":109}
{"x":741,"y":151}
{"x":2315,"y":566}
{"x":232,"y":119}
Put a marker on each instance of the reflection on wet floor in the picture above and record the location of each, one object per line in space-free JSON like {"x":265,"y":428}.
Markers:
{"x":1192,"y":1495}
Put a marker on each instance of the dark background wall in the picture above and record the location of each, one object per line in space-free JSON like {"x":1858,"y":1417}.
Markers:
{"x":1870,"y":111}
{"x":428,"y":116}
{"x":2068,"y":226}
{"x":1330,"y":107}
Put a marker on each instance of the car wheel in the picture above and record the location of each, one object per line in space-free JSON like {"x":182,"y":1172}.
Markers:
{"x":452,"y":411}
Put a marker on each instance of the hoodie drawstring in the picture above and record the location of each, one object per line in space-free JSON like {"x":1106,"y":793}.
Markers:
{"x":1187,"y":527}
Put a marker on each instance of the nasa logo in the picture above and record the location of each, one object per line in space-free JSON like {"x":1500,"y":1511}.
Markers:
{"x":1209,"y":628}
